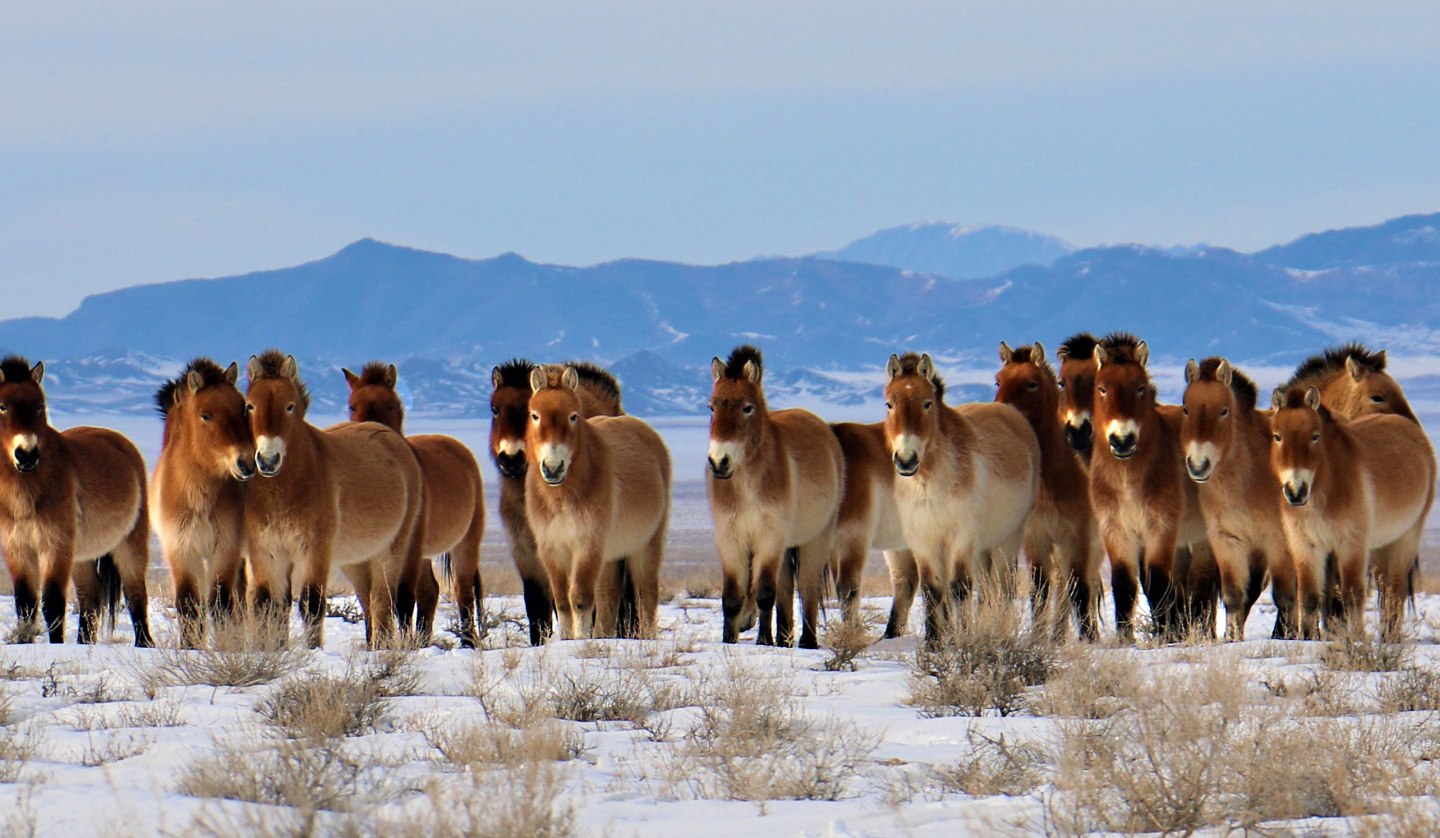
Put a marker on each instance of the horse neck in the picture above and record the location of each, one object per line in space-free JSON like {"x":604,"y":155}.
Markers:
{"x":302,"y":448}
{"x":1049,"y":426}
{"x":589,"y":460}
{"x":953,"y":436}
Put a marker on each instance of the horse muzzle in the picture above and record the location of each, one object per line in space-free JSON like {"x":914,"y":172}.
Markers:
{"x":723,"y":469}
{"x":1080,"y":437}
{"x":1123,"y":447}
{"x":907,"y":467}
{"x":26,"y":459}
{"x":269,"y":466}
{"x":1202,"y":472}
{"x":511,"y":466}
{"x":1296,"y":495}
{"x":553,"y":476}
{"x":241,"y":469}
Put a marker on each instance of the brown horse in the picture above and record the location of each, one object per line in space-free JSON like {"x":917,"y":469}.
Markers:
{"x":1061,"y":541}
{"x":1352,"y":382}
{"x":1353,"y":490}
{"x":72,"y":505}
{"x":597,"y":492}
{"x":1226,"y":442}
{"x":774,"y":481}
{"x":869,"y":520}
{"x":510,"y":417}
{"x":968,"y":478}
{"x":1145,"y":504}
{"x":1077,"y":390}
{"x":452,"y":514}
{"x":348,"y":495}
{"x":197,"y":500}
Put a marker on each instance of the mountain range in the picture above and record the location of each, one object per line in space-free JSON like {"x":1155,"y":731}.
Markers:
{"x":826,"y":321}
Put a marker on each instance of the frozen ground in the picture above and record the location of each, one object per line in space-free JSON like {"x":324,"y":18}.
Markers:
{"x":99,"y":741}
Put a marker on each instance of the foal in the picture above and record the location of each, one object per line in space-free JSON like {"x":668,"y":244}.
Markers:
{"x":452,"y":512}
{"x":72,"y":505}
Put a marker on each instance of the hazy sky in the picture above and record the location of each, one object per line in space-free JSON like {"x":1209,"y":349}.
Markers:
{"x":154,"y":141}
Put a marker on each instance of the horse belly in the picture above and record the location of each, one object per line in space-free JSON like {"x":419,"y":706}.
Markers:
{"x":750,"y":527}
{"x":888,"y":535}
{"x":997,"y":509}
{"x":372,"y":486}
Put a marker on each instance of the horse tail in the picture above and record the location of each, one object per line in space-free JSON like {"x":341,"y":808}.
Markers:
{"x":445,"y":569}
{"x":110,"y":588}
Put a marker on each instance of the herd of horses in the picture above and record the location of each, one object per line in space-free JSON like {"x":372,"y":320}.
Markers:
{"x":1194,"y":504}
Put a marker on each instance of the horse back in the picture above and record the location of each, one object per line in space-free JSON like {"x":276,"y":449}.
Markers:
{"x":1400,"y":467}
{"x":639,"y":474}
{"x":1003,"y":441}
{"x":374,"y":477}
{"x":452,"y":489}
{"x":109,"y":479}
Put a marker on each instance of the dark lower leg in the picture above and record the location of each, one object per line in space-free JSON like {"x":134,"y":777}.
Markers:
{"x":53,"y":606}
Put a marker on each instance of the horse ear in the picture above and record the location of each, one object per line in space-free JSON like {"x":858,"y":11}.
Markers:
{"x":1380,"y":359}
{"x":753,"y":372}
{"x":1142,"y":354}
{"x":1062,"y":353}
{"x":254,"y":369}
{"x":717,"y":369}
{"x":1192,"y":371}
{"x":232,"y":373}
{"x":1099,"y":356}
{"x":926,"y":367}
{"x":392,"y":376}
{"x":570,"y":379}
{"x":1277,"y":399}
{"x":350,"y":378}
{"x":1037,"y":353}
{"x":892,"y":367}
{"x":1225,"y":373}
{"x":1353,"y":367}
{"x":37,"y":372}
{"x":537,"y":380}
{"x":194,"y":380}
{"x":1312,"y":398}
{"x":495,"y":378}
{"x":290,"y":369}
{"x":1005,"y":352}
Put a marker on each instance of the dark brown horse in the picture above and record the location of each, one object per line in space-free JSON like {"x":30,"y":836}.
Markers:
{"x":452,"y":516}
{"x":510,"y":416}
{"x":1077,"y":391}
{"x":72,"y":505}
{"x":197,"y":500}
{"x":1062,"y":544}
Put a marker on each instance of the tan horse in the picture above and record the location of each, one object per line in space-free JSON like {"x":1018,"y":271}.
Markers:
{"x":597,"y":493}
{"x":1226,"y":441}
{"x":1353,"y":490}
{"x":774,"y":481}
{"x":452,"y":514}
{"x":72,"y":506}
{"x":1061,"y":540}
{"x":510,"y":417}
{"x":1145,"y":504}
{"x":968,"y":477}
{"x":348,"y":495}
{"x":869,"y":520}
{"x":197,"y":500}
{"x":1352,"y":382}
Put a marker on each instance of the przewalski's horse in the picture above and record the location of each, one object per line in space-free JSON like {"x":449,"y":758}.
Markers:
{"x":348,"y":495}
{"x":1145,"y":504}
{"x":1353,"y":490}
{"x":1352,"y":382}
{"x":72,"y":505}
{"x":1077,"y":391}
{"x":1061,"y":540}
{"x":510,"y":416}
{"x":452,"y":513}
{"x":597,"y":493}
{"x":1227,"y":444}
{"x":197,"y":500}
{"x":868,"y":520}
{"x":967,"y":479}
{"x":774,"y":480}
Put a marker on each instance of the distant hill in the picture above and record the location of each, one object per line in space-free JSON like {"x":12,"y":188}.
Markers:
{"x":953,"y":250}
{"x":826,"y":326}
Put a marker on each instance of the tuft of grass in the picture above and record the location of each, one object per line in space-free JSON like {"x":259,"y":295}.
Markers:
{"x":986,"y":666}
{"x":1358,"y":652}
{"x":845,"y":640}
{"x":994,"y":766}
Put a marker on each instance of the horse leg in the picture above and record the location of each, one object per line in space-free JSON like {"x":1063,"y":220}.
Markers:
{"x":468,"y":589}
{"x":938,"y":597}
{"x":609,"y":591}
{"x":1235,"y":582}
{"x":313,"y":577}
{"x":785,"y":598}
{"x":644,"y":572}
{"x":24,"y":566}
{"x":1040,"y":557}
{"x":132,"y":559}
{"x":1310,"y":582}
{"x":735,"y":587}
{"x":1394,"y":565}
{"x":1201,"y":591}
{"x":904,"y":578}
{"x":56,"y":582}
{"x":534,"y":580}
{"x":1159,"y":559}
{"x":557,"y":569}
{"x":1079,"y":558}
{"x":850,"y":555}
{"x":87,"y":599}
{"x":189,"y":604}
{"x":810,"y":578}
{"x":427,"y":601}
{"x":1353,"y":567}
{"x":583,"y":581}
{"x":766,"y":569}
{"x":1283,"y":591}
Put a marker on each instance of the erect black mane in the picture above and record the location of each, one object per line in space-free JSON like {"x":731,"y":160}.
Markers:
{"x":210,"y":373}
{"x":375,"y":372}
{"x":1024,"y":354}
{"x":910,"y":365}
{"x":516,"y":373}
{"x":739,"y":357}
{"x":1295,"y":397}
{"x":1120,"y":348}
{"x":1079,"y":347}
{"x":1246,"y":395}
{"x":1332,"y":360}
{"x":272,"y":364}
{"x":598,"y":378}
{"x":15,"y":368}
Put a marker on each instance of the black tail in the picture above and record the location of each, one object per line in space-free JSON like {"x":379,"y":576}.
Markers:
{"x":445,"y":569}
{"x":629,"y":617}
{"x":110,"y":588}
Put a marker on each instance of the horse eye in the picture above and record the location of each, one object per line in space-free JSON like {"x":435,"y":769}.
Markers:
{"x":290,"y":408}
{"x":249,"y":408}
{"x":889,"y":406}
{"x":1315,"y":437}
{"x":534,"y":417}
{"x":1224,"y":411}
{"x":748,"y":409}
{"x":712,"y":408}
{"x":1060,"y":384}
{"x":1102,"y":391}
{"x":494,"y":411}
{"x":1034,"y":385}
{"x":1184,"y":411}
{"x":574,"y":417}
{"x":1377,"y":399}
{"x":392,"y":408}
{"x":928,"y":405}
{"x":352,"y":410}
{"x":4,"y":408}
{"x":1277,"y":439}
{"x":1140,"y":391}
{"x":205,"y":417}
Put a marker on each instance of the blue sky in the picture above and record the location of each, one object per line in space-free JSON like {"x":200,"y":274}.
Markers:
{"x":146,"y":142}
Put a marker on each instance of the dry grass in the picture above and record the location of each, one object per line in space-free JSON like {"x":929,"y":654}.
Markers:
{"x":18,"y":745}
{"x":845,"y":640}
{"x":1413,"y":688}
{"x":994,"y":766}
{"x":527,"y":801}
{"x":476,"y":745}
{"x":1359,"y":652}
{"x":987,"y":665}
{"x":243,"y":652}
{"x":291,"y":773}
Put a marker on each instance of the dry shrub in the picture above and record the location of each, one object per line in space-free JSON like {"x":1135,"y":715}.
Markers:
{"x":845,"y":640}
{"x":243,"y":651}
{"x":994,"y":766}
{"x":525,"y":801}
{"x":18,"y":746}
{"x":753,"y":741}
{"x":596,"y":694}
{"x":290,"y":773}
{"x":1359,"y":652}
{"x":985,"y":664}
{"x":1411,"y":689}
{"x":1187,"y":750}
{"x":1089,"y":683}
{"x":113,"y":748}
{"x":148,"y":714}
{"x":476,"y":745}
{"x":319,"y":706}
